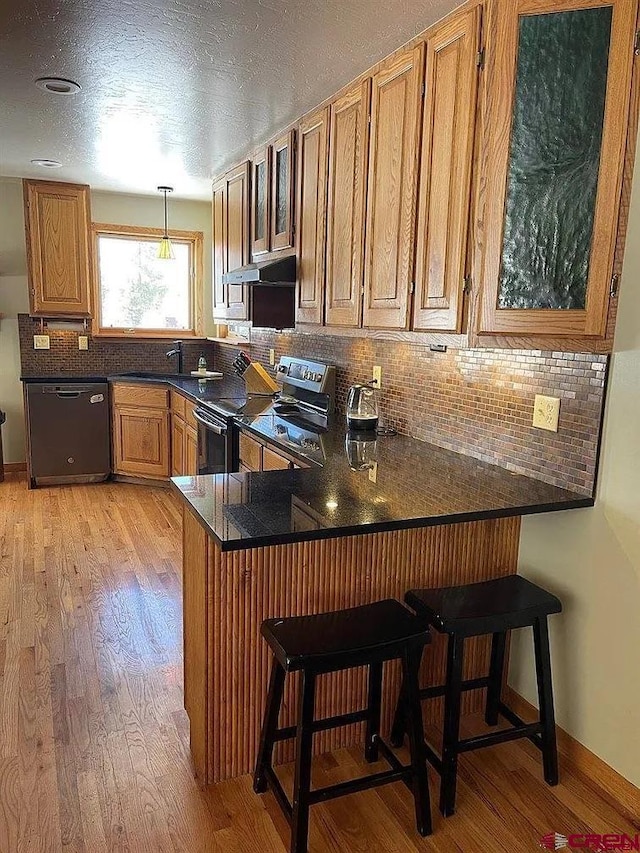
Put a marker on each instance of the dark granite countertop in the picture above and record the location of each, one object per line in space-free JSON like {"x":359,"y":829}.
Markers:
{"x":200,"y":391}
{"x":416,"y":485}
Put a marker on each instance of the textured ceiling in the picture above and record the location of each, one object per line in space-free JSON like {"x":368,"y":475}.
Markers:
{"x":173,"y":91}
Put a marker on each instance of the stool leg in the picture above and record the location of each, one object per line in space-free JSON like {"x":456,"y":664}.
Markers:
{"x":496,"y":668}
{"x":451,"y":732}
{"x":420,"y":780}
{"x":545,"y":698}
{"x":373,"y":705}
{"x":398,"y":728}
{"x":269,"y":726}
{"x":302,"y":778}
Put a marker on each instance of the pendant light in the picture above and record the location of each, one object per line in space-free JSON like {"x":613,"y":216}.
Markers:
{"x":165,"y":250}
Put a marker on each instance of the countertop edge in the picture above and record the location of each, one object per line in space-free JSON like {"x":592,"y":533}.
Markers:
{"x":380,"y":527}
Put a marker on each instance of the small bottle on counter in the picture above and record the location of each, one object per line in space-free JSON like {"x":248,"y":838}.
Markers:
{"x":202,"y":364}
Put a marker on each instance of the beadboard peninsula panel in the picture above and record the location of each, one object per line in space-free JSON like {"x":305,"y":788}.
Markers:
{"x":242,"y":588}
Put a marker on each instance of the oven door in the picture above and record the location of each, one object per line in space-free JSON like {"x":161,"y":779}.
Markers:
{"x":214,"y":444}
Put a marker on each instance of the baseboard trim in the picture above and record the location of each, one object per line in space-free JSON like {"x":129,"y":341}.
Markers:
{"x":621,"y":790}
{"x":14,"y":467}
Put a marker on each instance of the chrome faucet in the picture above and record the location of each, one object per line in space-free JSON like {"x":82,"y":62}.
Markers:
{"x":177,"y":350}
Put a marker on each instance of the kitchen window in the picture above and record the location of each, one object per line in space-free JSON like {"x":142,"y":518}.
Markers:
{"x":139,"y":295}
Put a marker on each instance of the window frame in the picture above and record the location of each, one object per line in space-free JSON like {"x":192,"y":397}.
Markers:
{"x":195,"y":240}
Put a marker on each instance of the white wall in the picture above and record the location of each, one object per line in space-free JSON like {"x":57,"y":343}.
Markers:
{"x":112,"y":208}
{"x":591,"y":559}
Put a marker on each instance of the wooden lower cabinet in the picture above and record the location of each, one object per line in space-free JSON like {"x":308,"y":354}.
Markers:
{"x":141,"y":442}
{"x":190,"y":451}
{"x":250,"y":453}
{"x":178,"y":442}
{"x":272,"y":461}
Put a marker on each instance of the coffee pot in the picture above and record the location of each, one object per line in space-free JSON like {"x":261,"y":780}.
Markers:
{"x":362,"y":409}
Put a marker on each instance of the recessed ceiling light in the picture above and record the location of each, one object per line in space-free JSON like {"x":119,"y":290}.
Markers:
{"x":57,"y":85}
{"x":47,"y":164}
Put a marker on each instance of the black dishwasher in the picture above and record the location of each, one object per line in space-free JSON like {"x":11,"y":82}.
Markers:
{"x":68,"y":428}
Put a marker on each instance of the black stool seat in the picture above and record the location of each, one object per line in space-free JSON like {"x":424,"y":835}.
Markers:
{"x":337,"y":640}
{"x":491,"y":607}
{"x":483,"y":608}
{"x":369,"y":635}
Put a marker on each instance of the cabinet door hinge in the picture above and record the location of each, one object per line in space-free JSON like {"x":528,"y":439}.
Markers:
{"x":636,"y":44}
{"x":424,"y":89}
{"x":480,"y":57}
{"x":615,"y":283}
{"x":466,"y":285}
{"x":412,"y":288}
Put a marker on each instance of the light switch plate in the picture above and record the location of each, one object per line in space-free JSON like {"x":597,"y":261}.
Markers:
{"x":83,"y":342}
{"x":272,"y":356}
{"x":546,"y":411}
{"x":41,"y":342}
{"x":377,"y":376}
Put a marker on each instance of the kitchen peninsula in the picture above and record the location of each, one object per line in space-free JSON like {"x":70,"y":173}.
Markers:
{"x":290,"y":542}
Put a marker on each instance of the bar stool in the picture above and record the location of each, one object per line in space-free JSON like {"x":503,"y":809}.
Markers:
{"x":492,"y":607}
{"x":329,"y":642}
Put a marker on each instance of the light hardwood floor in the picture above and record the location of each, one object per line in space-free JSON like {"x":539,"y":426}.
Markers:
{"x":94,"y":740}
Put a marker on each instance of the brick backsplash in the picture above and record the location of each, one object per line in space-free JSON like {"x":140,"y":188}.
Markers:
{"x":104,"y":356}
{"x":474,"y":401}
{"x":478,"y":402}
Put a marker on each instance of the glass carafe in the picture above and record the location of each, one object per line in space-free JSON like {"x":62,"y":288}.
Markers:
{"x":362,"y":409}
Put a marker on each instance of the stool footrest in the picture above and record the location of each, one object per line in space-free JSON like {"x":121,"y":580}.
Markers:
{"x":439,"y":690}
{"x":479,"y":742}
{"x":362,"y":783}
{"x":324,"y":724}
{"x":517,"y":721}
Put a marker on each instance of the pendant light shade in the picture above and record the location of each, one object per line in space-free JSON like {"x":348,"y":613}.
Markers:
{"x":165,"y":250}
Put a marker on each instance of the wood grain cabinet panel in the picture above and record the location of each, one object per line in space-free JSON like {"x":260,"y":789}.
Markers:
{"x":178,"y":440}
{"x":141,"y":442}
{"x":396,"y":100}
{"x":311,"y":206}
{"x":272,"y":461}
{"x":190,"y":451}
{"x":57,"y":223}
{"x":230,"y":235}
{"x":143,"y":396}
{"x":346,"y":197}
{"x":445,"y":173}
{"x":558,"y":96}
{"x":218,"y":237}
{"x":237,"y":237}
{"x":250,"y":453}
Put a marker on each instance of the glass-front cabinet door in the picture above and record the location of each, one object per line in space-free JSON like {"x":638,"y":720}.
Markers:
{"x":282,"y":192}
{"x":260,"y":201}
{"x":558,"y":96}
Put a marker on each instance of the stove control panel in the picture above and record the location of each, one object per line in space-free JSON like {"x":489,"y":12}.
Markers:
{"x":311,"y":375}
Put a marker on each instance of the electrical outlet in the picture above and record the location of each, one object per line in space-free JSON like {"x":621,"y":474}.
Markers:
{"x":41,"y":342}
{"x":83,"y":342}
{"x":373,"y":472}
{"x":546,"y":411}
{"x":272,"y":356}
{"x":377,"y":376}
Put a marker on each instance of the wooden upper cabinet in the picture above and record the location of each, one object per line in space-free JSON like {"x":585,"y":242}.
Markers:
{"x":282,"y":187}
{"x":557,"y":105}
{"x":346,"y":198}
{"x":396,"y":100}
{"x":57,"y":219}
{"x":444,"y":199}
{"x":230,"y":233}
{"x":311,"y":207}
{"x":260,"y":201}
{"x":237,"y":236}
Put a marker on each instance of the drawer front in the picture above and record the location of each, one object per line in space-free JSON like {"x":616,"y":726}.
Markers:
{"x":272,"y":461}
{"x":144,"y":396}
{"x":177,"y":404}
{"x":189,"y":409}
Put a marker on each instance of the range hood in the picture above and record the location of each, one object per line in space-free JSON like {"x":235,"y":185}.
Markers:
{"x":275,"y":272}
